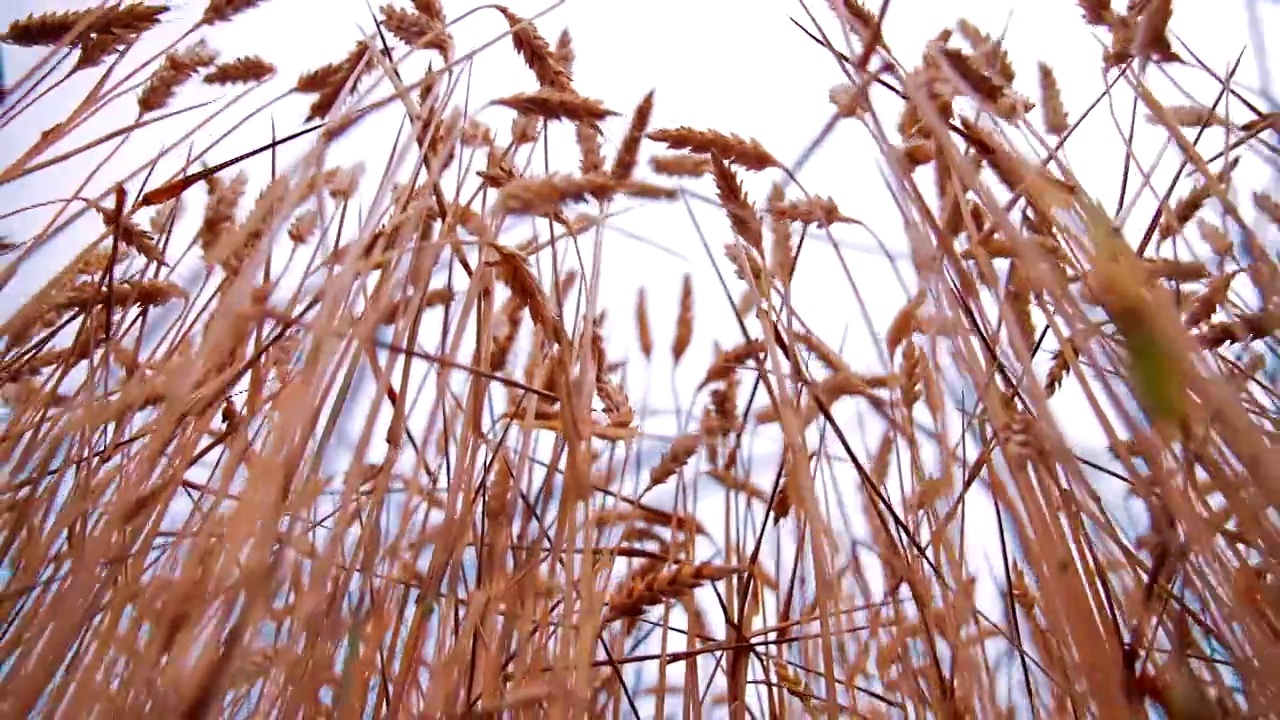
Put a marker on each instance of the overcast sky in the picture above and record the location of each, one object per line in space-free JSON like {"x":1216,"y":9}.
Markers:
{"x":734,"y":66}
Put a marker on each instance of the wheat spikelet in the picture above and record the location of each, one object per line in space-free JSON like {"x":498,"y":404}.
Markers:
{"x":248,"y":69}
{"x":1017,"y":298}
{"x":564,"y":53}
{"x":1061,"y":365}
{"x":98,"y":32}
{"x":721,"y":418}
{"x":795,"y":687}
{"x":1193,"y":116}
{"x":1204,"y":305}
{"x":732,"y":483}
{"x":537,"y":52}
{"x":524,"y":130}
{"x":85,"y":296}
{"x":220,"y":213}
{"x":543,"y":196}
{"x":327,"y":82}
{"x":680,"y":165}
{"x":728,"y":361}
{"x":679,"y":522}
{"x":512,"y":268}
{"x":304,"y":226}
{"x":512,"y":314}
{"x":1055,"y":113}
{"x":1178,"y":271}
{"x":1152,"y":39}
{"x":861,"y":20}
{"x":904,"y":323}
{"x":624,"y":164}
{"x":1246,"y":327}
{"x":588,"y":137}
{"x":417,"y":30}
{"x":781,"y":252}
{"x":218,"y":11}
{"x":733,"y":199}
{"x":476,"y":135}
{"x":990,"y":51}
{"x":828,"y":391}
{"x":1217,"y":240}
{"x":177,"y":68}
{"x":432,"y":9}
{"x":819,"y":211}
{"x":977,"y":80}
{"x":1268,"y":206}
{"x":823,"y":351}
{"x":616,"y":405}
{"x":749,"y":154}
{"x":1042,"y":190}
{"x":643,"y":330}
{"x":1097,"y":12}
{"x":851,"y":101}
{"x":133,"y":236}
{"x":912,"y":370}
{"x":1186,"y":208}
{"x":48,"y":28}
{"x":677,"y":455}
{"x":684,"y":320}
{"x":632,"y":599}
{"x":553,"y":104}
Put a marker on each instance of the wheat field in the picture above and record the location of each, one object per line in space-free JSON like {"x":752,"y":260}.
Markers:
{"x":353,"y":420}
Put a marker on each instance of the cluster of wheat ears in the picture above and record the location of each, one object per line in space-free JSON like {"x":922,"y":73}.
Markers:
{"x":176,"y":542}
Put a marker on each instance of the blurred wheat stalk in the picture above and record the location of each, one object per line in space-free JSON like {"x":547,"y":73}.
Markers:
{"x":174,"y":545}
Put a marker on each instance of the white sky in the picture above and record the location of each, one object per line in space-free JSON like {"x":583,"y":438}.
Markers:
{"x":734,"y":66}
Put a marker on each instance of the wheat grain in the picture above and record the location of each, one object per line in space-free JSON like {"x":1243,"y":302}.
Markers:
{"x":219,"y":215}
{"x":537,"y":53}
{"x":552,"y":104}
{"x":417,"y":30}
{"x":1055,"y":113}
{"x":328,"y":82}
{"x":1204,"y":305}
{"x":1097,"y":12}
{"x":624,"y":164}
{"x":684,"y":321}
{"x":1152,"y":40}
{"x":749,"y":154}
{"x":819,"y":211}
{"x":247,"y":69}
{"x":729,"y":360}
{"x":1268,"y":206}
{"x":659,"y":587}
{"x":133,"y":236}
{"x":545,"y":195}
{"x":49,"y":28}
{"x":564,"y":54}
{"x":219,"y":11}
{"x":432,"y":9}
{"x":676,"y":456}
{"x":680,"y":165}
{"x":643,"y":330}
{"x":742,"y":215}
{"x":177,"y":68}
{"x":990,"y":52}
